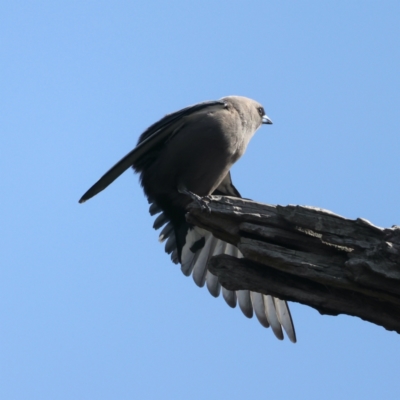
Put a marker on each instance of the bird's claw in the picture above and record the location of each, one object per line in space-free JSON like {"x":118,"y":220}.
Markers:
{"x":202,"y":202}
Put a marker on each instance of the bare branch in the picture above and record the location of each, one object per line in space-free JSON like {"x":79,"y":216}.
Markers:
{"x":308,"y":255}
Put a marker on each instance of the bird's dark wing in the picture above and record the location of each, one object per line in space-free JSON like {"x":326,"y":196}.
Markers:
{"x":153,"y":136}
{"x":173,"y":117}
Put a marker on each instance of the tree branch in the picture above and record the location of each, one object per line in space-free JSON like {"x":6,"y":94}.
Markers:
{"x":308,"y":255}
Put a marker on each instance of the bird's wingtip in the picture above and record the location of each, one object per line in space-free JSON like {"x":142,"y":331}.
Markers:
{"x":84,"y":198}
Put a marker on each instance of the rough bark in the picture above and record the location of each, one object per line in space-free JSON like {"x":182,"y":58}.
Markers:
{"x":308,"y":255}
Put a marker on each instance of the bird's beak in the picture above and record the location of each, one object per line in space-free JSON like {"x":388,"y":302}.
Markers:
{"x":266,"y":120}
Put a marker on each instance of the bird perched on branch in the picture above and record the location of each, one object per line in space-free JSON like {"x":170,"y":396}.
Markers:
{"x":185,"y":157}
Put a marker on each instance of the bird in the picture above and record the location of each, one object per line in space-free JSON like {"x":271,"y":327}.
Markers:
{"x":186,"y":156}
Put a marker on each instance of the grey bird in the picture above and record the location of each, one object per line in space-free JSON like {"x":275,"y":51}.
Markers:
{"x":186,"y":156}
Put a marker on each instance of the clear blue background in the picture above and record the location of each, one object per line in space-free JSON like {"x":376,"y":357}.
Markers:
{"x":90,"y":305}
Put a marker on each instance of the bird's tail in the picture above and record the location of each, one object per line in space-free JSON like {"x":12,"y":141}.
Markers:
{"x":198,"y":247}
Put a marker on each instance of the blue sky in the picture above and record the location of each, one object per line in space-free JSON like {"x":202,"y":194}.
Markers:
{"x":90,"y":305}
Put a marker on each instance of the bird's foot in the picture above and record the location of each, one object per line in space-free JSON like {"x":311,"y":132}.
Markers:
{"x":201,"y":201}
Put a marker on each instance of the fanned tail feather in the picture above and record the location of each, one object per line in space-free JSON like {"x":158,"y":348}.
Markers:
{"x":200,"y":245}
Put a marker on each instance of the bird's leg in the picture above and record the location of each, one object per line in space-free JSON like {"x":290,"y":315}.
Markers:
{"x":201,"y":201}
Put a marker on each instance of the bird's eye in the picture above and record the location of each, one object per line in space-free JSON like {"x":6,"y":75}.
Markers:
{"x":261,"y":111}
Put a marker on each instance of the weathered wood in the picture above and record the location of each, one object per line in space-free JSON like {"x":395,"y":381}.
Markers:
{"x":309,"y":255}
